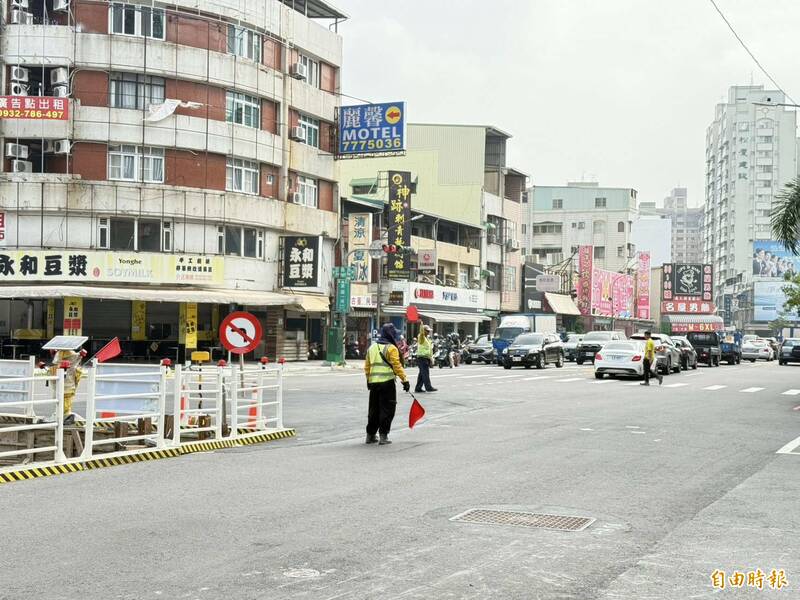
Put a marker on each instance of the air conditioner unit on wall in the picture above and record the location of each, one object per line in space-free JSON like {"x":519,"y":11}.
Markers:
{"x":60,"y":5}
{"x":297,"y":134}
{"x":298,"y":71}
{"x":19,"y":74}
{"x":21,"y":166}
{"x":20,"y":17}
{"x":48,"y":146}
{"x":297,"y":197}
{"x":62,"y":147}
{"x":16,"y":151}
{"x":20,"y":4}
{"x":512,"y":245}
{"x":18,"y":89}
{"x":61,"y":91}
{"x":59,"y":76}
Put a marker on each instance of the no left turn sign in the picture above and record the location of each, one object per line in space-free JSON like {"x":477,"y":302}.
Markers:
{"x":240,"y":332}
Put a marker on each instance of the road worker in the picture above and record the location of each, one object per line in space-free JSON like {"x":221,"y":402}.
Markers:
{"x":381,"y":366}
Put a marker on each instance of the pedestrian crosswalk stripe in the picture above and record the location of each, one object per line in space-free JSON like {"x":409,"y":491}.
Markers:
{"x":537,"y":378}
{"x":675,"y":385}
{"x":504,"y":377}
{"x":714,"y":388}
{"x":751,"y":390}
{"x":634,"y":383}
{"x":791,"y":393}
{"x":568,"y":380}
{"x":599,"y":381}
{"x":473,"y":376}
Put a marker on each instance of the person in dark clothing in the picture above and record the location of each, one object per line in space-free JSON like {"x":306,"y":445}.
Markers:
{"x":381,"y":366}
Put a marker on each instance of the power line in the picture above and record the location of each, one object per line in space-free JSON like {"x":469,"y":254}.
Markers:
{"x":753,"y":56}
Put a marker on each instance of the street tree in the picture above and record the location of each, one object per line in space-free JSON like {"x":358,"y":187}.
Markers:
{"x":786,"y":216}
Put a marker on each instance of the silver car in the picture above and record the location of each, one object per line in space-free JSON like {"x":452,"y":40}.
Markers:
{"x":757,"y":350}
{"x":668,"y":355}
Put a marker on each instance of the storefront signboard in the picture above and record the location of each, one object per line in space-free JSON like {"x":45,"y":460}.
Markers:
{"x":397,"y":218}
{"x":585,"y":264}
{"x":643,"y":286}
{"x":301,"y":255}
{"x":687,"y":282}
{"x":360,"y":237}
{"x":73,"y":316}
{"x":110,"y":267}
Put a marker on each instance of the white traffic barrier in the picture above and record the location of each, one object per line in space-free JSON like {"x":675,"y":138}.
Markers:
{"x":256,"y":398}
{"x":26,"y":406}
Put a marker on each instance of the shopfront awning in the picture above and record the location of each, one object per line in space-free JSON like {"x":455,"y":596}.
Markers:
{"x":688,"y":323}
{"x":313,"y":303}
{"x":155,"y":294}
{"x":454,"y":317}
{"x":562,"y":304}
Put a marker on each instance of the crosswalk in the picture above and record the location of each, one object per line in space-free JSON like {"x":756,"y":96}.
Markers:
{"x":475,"y":376}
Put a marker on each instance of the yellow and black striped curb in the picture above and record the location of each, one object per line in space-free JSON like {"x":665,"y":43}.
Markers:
{"x":148,"y":455}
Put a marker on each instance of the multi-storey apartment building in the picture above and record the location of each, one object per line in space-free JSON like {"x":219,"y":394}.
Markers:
{"x":687,"y":227}
{"x":561,"y":218}
{"x":179,"y":143}
{"x":467,"y":208}
{"x":750,"y":155}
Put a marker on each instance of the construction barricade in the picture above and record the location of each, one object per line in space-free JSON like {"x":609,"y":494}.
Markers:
{"x":132,"y":413}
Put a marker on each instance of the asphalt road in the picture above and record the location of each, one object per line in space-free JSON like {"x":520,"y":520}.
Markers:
{"x":681,"y":480}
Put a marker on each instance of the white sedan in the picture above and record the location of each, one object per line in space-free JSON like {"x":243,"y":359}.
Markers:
{"x":620,"y":358}
{"x":757,"y":350}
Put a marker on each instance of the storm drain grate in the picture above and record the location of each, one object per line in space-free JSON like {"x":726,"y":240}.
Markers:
{"x":482,"y":516}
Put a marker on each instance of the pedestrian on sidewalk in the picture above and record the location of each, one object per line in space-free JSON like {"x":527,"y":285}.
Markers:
{"x":424,"y":360}
{"x":381,"y":366}
{"x":650,"y":361}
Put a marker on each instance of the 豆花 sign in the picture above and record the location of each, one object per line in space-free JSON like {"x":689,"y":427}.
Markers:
{"x":372,"y":128}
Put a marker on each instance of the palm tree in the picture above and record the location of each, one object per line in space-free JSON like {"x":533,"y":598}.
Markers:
{"x":786,"y":216}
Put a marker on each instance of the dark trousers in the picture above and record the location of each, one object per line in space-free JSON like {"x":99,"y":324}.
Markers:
{"x":382,"y":404}
{"x":424,"y":377}
{"x":647,"y":366}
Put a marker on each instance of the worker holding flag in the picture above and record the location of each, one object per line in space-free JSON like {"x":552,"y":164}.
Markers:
{"x":381,"y":366}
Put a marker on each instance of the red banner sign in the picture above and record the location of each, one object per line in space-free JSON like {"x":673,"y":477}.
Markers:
{"x":643,"y":286}
{"x":44,"y":108}
{"x":585,"y":269}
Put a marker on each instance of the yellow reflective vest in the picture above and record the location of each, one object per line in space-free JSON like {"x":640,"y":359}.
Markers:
{"x":424,"y":347}
{"x":377,"y":369}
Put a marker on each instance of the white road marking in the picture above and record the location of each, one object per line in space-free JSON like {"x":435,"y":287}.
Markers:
{"x":634,"y":383}
{"x":632,"y":427}
{"x":537,"y":378}
{"x":714,"y":388}
{"x":791,"y":393}
{"x":790,"y":447}
{"x":751,"y":390}
{"x":599,"y":381}
{"x":675,"y":385}
{"x":473,"y":376}
{"x":504,"y":377}
{"x":642,"y":432}
{"x":586,"y":429}
{"x":569,"y":380}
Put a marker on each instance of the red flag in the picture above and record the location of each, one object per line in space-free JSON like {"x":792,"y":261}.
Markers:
{"x":109,"y":351}
{"x":412,"y":314}
{"x":416,"y":413}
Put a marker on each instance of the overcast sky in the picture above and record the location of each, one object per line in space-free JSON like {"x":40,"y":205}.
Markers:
{"x":618,"y":91}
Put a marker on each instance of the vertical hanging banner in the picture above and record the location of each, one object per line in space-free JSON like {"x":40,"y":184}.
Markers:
{"x":301,"y":261}
{"x":2,"y":228}
{"x":643,"y":286}
{"x":191,"y":326}
{"x":398,"y":215}
{"x":73,"y":316}
{"x":360,"y":236}
{"x":182,"y":323}
{"x":138,"y":320}
{"x":585,"y":264}
{"x":51,"y":319}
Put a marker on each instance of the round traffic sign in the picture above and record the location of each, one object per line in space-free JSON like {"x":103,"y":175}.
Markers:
{"x":240,"y":332}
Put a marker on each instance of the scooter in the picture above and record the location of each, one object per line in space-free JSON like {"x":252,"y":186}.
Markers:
{"x":352,"y":351}
{"x":442,"y":358}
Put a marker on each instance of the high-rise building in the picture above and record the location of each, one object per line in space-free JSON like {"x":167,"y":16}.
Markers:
{"x":155,"y":157}
{"x":562,"y":218}
{"x":750,"y":155}
{"x":687,"y":227}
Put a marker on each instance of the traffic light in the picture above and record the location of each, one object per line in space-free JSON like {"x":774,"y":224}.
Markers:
{"x":390,"y":248}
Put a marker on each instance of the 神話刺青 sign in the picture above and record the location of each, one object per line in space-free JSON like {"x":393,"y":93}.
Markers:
{"x":372,"y":129}
{"x":398,"y":217}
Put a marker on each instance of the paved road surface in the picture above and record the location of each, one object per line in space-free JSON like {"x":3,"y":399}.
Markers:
{"x":681,"y":480}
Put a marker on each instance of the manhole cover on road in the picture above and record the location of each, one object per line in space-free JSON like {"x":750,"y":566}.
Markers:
{"x":482,"y":516}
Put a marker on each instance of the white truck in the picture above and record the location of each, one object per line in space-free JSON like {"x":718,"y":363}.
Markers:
{"x":513,"y":325}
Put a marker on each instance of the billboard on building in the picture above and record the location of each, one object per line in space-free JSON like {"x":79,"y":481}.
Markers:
{"x":109,"y":267}
{"x":301,"y":256}
{"x":397,"y":219}
{"x":772,"y":260}
{"x":643,"y":286}
{"x":768,"y":301}
{"x":687,"y":282}
{"x":370,"y":129}
{"x":360,"y":237}
{"x":41,"y":108}
{"x":585,"y":267}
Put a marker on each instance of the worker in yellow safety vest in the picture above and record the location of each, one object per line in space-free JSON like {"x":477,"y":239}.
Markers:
{"x":381,"y":366}
{"x":424,"y":360}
